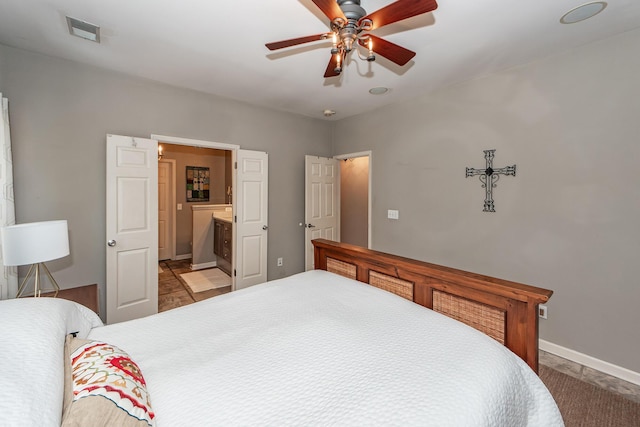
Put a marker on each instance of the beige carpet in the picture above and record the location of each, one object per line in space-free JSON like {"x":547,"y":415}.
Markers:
{"x":204,"y":280}
{"x":585,"y":405}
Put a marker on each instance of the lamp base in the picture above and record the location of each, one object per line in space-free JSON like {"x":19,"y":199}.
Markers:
{"x":34,"y":271}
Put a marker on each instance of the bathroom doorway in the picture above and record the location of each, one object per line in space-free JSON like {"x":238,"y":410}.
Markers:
{"x":216,"y":168}
{"x":187,"y":270}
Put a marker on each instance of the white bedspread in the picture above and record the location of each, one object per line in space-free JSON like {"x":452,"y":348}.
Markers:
{"x":319,"y":349}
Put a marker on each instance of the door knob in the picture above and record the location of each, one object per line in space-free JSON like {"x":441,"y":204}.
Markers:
{"x":264,"y":227}
{"x":111,"y":243}
{"x":310,"y":226}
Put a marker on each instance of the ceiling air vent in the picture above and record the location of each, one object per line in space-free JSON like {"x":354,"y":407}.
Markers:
{"x":83,"y":29}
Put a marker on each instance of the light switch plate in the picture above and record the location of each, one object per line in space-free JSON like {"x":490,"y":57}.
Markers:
{"x":393,"y":214}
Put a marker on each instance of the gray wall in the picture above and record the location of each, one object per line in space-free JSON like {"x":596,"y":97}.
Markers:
{"x":61,"y":112}
{"x":568,"y":221}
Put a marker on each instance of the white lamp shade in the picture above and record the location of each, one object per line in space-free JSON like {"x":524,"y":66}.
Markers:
{"x":34,"y":242}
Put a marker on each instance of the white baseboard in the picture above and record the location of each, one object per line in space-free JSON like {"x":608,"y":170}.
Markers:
{"x":183,"y":256}
{"x":203,"y":265}
{"x":592,"y":362}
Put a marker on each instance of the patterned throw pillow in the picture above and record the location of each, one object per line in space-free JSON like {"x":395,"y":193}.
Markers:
{"x":106,"y":387}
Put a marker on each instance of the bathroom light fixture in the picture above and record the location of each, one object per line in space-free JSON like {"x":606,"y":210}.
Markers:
{"x":585,"y":11}
{"x":83,"y":29}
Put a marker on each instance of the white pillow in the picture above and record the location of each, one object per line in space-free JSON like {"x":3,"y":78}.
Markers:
{"x":32,"y":336}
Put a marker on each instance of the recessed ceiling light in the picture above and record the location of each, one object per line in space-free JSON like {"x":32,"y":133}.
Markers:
{"x":583,"y":12}
{"x":83,"y":29}
{"x":378,"y":90}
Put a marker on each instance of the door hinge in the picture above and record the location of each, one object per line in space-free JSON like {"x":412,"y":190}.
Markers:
{"x":235,"y":219}
{"x":234,"y":273}
{"x":235,"y":165}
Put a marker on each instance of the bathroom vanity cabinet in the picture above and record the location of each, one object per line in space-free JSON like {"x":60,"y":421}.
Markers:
{"x":222,"y":244}
{"x":203,"y":246}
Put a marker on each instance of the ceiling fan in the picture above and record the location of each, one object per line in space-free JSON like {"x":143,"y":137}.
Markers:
{"x":351,"y":26}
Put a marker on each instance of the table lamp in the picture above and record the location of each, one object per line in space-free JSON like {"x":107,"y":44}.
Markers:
{"x":35,"y":243}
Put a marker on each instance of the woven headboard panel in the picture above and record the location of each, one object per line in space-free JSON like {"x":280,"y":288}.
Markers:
{"x":392,"y":284}
{"x":397,"y":286}
{"x":486,"y":319}
{"x":342,"y":268}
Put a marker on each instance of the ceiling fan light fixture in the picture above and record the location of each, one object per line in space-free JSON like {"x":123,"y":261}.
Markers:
{"x":83,"y":29}
{"x":582,"y":12}
{"x":371,"y":57}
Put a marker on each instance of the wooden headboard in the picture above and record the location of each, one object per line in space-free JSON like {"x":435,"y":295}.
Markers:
{"x":506,"y":311}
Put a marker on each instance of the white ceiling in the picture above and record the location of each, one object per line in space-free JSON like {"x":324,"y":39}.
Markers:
{"x":217,"y":46}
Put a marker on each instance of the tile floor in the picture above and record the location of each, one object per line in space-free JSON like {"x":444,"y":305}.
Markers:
{"x":173,"y":292}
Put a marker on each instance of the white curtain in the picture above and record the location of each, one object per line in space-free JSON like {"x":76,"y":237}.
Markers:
{"x":8,"y":275}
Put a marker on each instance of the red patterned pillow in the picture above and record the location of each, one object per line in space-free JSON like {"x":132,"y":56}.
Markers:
{"x":106,"y":387}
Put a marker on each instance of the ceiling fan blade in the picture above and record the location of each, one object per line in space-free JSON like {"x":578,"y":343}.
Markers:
{"x":330,"y":72}
{"x":391,"y":51}
{"x":401,"y":9}
{"x":293,"y":42}
{"x":330,"y":8}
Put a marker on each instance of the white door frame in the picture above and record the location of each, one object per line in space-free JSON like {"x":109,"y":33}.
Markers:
{"x":369,"y":154}
{"x":208,"y":144}
{"x":172,"y":202}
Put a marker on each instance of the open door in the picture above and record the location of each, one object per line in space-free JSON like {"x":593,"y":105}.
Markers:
{"x":251,"y":222}
{"x":166,"y":206}
{"x":131,"y":229}
{"x":321,"y":203}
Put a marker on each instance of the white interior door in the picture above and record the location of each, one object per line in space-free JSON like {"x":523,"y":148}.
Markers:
{"x":321,"y":203}
{"x":251,"y":221}
{"x":166,"y":206}
{"x":132,"y":218}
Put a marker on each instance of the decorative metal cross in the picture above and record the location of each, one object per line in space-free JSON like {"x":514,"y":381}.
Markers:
{"x":488,"y":177}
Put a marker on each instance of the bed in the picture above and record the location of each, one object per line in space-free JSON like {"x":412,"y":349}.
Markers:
{"x":315,"y":348}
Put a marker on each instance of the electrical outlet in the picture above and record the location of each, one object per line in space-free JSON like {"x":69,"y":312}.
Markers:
{"x":542,"y":311}
{"x":280,"y":262}
{"x":393,"y":214}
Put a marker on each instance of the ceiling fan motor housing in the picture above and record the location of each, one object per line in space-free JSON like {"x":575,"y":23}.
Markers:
{"x":352,"y":9}
{"x":353,"y":12}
